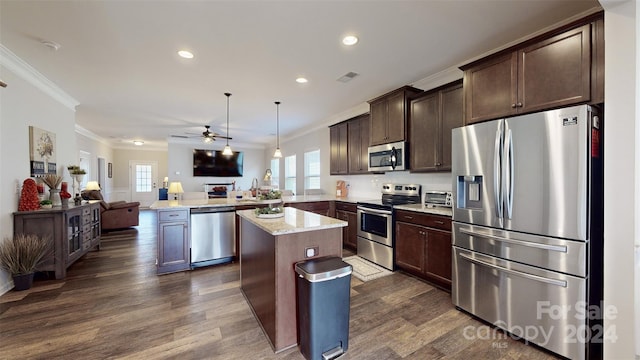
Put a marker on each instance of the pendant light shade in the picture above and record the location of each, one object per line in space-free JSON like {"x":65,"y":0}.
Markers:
{"x":227,"y":149}
{"x":278,"y":153}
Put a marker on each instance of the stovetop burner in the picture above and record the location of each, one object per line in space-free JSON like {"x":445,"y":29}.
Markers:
{"x":395,"y":194}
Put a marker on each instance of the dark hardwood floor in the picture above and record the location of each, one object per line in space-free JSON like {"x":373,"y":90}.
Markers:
{"x":113,"y":305}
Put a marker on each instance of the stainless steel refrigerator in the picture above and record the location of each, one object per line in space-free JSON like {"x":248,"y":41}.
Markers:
{"x":527,"y":230}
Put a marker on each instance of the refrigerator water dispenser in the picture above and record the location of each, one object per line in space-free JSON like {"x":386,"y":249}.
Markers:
{"x":469,"y":192}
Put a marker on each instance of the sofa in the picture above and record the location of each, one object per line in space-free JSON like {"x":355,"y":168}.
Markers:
{"x":116,"y":214}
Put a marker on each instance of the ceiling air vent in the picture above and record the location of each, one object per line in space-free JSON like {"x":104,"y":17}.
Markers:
{"x":348,"y":77}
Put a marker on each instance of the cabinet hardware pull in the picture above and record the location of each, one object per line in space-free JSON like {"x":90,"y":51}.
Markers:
{"x":519,"y":104}
{"x":408,"y":217}
{"x":513,"y":106}
{"x":439,"y":222}
{"x":173,"y":214}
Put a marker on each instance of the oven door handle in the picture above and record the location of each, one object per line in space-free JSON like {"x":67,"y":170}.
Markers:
{"x":375,"y":211}
{"x":516,"y":273}
{"x":557,"y":248}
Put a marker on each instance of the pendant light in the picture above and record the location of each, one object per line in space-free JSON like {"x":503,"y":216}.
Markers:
{"x":278,"y":153}
{"x":227,"y":149}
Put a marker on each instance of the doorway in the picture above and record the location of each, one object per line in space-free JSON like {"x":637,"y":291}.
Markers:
{"x":143,"y":175}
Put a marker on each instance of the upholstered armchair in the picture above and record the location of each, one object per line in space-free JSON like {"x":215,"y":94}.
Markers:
{"x":114,"y":215}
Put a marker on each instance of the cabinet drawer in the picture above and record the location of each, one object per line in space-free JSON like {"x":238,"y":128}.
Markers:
{"x":86,"y":211}
{"x":86,"y":228}
{"x":346,"y":206}
{"x":433,"y":221}
{"x":173,"y":215}
{"x":86,"y":219}
{"x":86,"y":237}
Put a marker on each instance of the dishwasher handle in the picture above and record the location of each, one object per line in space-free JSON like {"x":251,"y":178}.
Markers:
{"x":214,"y":209}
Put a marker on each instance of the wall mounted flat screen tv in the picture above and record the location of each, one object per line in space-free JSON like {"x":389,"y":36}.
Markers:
{"x":213,"y":163}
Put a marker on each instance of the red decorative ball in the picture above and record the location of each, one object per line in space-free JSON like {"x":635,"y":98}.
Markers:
{"x":29,"y":196}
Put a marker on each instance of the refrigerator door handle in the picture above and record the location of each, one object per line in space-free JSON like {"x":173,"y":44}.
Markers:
{"x":557,"y":248}
{"x":516,"y":273}
{"x":508,"y":176}
{"x":497,"y":170}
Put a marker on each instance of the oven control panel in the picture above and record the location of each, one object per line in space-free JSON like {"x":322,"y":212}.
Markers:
{"x":402,"y":189}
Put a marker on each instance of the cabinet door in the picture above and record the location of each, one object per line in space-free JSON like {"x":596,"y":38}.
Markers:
{"x":423,"y":132}
{"x":410,"y":247}
{"x":338,"y":157}
{"x":396,"y":118}
{"x":358,"y":129}
{"x":378,"y":123}
{"x":349,"y":233}
{"x":490,"y":89}
{"x":173,"y":247}
{"x":438,"y":261}
{"x":555,"y":72}
{"x":450,"y":118}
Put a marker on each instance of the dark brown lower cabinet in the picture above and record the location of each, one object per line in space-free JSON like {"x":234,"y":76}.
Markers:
{"x":423,"y":246}
{"x":326,"y":208}
{"x":347,"y":212}
{"x":174,"y":242}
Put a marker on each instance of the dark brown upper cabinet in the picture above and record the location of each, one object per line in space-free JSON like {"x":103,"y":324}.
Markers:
{"x":432,"y":116}
{"x":388,"y":116}
{"x":358,"y":129}
{"x":338,"y":157}
{"x":561,"y":68}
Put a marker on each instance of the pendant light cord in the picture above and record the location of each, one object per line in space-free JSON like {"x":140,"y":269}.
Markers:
{"x":278,"y":124}
{"x":228,"y":95}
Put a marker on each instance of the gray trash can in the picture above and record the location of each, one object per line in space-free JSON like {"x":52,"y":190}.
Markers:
{"x":324,"y":286}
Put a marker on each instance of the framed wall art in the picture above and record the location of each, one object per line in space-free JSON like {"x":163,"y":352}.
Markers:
{"x":42,"y":152}
{"x":110,"y":170}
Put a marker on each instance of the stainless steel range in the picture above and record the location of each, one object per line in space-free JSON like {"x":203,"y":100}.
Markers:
{"x":375,"y":222}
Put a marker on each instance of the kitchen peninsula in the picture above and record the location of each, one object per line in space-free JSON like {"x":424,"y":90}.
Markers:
{"x":269,"y":249}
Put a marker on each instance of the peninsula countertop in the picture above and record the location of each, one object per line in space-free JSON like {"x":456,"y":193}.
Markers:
{"x":164,"y":204}
{"x":293,"y":221}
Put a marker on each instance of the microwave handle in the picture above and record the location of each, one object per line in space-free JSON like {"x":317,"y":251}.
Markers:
{"x":394,"y":158}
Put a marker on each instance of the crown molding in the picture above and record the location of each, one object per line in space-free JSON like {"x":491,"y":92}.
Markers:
{"x":91,"y":135}
{"x":18,"y":66}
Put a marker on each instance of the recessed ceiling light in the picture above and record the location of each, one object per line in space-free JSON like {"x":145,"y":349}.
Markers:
{"x":185,"y":54}
{"x":138,"y":142}
{"x":350,"y":40}
{"x":301,"y":80}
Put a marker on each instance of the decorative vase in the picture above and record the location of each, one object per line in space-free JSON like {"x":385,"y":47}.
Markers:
{"x":54,"y":196}
{"x":22,"y":282}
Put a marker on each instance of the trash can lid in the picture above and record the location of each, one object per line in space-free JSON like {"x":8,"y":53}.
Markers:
{"x":323,"y":269}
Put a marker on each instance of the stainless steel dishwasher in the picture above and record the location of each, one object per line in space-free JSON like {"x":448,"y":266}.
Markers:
{"x":213,"y":235}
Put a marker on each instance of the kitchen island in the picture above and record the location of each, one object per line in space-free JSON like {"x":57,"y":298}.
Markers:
{"x":269,"y":249}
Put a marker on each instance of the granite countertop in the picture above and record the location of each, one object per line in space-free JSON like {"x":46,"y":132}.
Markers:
{"x":427,"y":210}
{"x":293,"y":221}
{"x":164,"y":204}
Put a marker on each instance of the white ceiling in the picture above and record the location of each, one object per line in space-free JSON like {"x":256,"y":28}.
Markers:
{"x":118,"y":58}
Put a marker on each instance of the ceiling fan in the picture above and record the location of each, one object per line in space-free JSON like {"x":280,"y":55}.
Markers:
{"x":207,"y":135}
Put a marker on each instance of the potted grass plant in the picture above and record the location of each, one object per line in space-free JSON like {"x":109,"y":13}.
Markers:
{"x":20,"y":256}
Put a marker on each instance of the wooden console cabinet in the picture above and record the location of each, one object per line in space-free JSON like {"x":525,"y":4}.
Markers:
{"x":73,"y":231}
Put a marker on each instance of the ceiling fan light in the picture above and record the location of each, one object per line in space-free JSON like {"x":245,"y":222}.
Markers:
{"x":227,"y":151}
{"x":278,"y":153}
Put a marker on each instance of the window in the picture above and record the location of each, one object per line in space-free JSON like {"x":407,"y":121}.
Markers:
{"x":275,"y":172}
{"x":312,"y":169}
{"x":290,"y":173}
{"x":144,"y":181}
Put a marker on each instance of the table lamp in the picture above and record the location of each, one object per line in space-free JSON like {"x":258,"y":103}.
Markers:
{"x":92,"y":185}
{"x":175,"y":188}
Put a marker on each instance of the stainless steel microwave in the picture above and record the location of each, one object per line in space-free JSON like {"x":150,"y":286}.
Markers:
{"x":388,"y":157}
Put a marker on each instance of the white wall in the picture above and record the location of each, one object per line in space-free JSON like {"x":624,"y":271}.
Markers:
{"x":621,"y":122}
{"x":97,"y":149}
{"x":180,"y":165}
{"x":121,"y":187}
{"x":23,"y":104}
